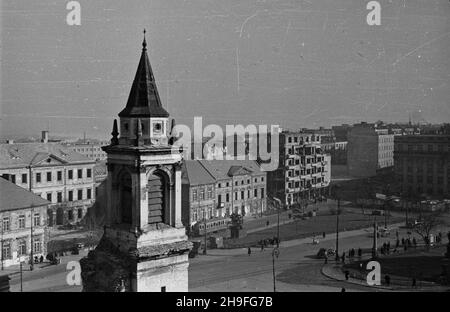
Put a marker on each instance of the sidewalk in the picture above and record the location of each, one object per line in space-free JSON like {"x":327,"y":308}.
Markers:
{"x":290,"y":243}
{"x":334,"y":271}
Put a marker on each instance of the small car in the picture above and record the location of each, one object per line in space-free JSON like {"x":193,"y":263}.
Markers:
{"x":325,"y":253}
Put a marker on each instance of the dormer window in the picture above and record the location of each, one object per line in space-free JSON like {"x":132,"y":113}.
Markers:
{"x":157,"y":127}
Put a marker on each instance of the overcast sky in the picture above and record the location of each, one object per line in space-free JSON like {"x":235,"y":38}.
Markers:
{"x":289,"y":62}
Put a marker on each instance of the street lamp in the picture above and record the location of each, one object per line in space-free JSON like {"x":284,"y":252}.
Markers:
{"x":278,"y":226}
{"x":337,"y":197}
{"x":375,"y":240}
{"x":204,"y":229}
{"x":275,"y":253}
{"x":31,"y":241}
{"x":2,"y":243}
{"x":21,"y":279}
{"x":337,"y":228}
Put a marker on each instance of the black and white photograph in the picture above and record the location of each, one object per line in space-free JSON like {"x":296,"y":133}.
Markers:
{"x":225,"y":151}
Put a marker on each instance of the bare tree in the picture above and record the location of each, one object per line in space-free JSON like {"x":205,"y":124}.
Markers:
{"x":428,"y":223}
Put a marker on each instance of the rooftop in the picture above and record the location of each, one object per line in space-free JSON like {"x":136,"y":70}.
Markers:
{"x":13,"y":197}
{"x":32,"y":154}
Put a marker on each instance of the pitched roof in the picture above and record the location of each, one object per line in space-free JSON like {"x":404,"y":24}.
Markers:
{"x":224,"y":169}
{"x":31,"y":154}
{"x":144,"y":100}
{"x":195,"y":174}
{"x":14,"y":197}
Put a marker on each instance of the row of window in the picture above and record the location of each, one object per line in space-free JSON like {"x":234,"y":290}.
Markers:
{"x":421,"y":179}
{"x":419,"y":189}
{"x":302,"y":139}
{"x":297,"y":184}
{"x":422,"y":147}
{"x":49,"y":176}
{"x":70,"y":195}
{"x":313,"y":170}
{"x":241,"y":182}
{"x":6,"y":222}
{"x":21,"y":247}
{"x":220,"y":199}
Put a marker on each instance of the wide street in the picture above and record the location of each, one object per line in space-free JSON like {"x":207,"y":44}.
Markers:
{"x":234,"y":270}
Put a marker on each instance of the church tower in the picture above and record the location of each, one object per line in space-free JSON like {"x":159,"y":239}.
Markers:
{"x":144,"y":246}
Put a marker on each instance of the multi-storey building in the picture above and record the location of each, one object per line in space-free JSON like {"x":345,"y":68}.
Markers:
{"x":22,"y":224}
{"x":217,"y":188}
{"x":50,"y":170}
{"x":198,"y":193}
{"x":422,"y":164}
{"x":90,"y":150}
{"x":370,"y":150}
{"x":304,"y":170}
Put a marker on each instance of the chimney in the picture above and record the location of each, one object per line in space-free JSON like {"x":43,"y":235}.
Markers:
{"x":44,"y":138}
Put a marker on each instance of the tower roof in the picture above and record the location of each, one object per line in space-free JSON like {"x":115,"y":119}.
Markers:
{"x":144,"y":100}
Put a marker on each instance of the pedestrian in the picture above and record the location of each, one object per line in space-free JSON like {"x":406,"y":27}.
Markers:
{"x":414,"y":282}
{"x":347,"y":274}
{"x":359,"y":252}
{"x":343,"y":257}
{"x":403,"y":241}
{"x":267,"y":223}
{"x":397,"y":244}
{"x":323,"y":234}
{"x":326,"y":259}
{"x":249,"y":251}
{"x":262,"y":247}
{"x":41,"y":259}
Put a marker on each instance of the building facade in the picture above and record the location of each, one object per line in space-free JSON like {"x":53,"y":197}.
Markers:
{"x":23,"y":218}
{"x":422,"y":165}
{"x":370,"y":150}
{"x":304,"y":171}
{"x":217,"y":188}
{"x":57,"y":174}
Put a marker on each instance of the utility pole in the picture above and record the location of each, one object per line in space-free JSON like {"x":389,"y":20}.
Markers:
{"x":204,"y":229}
{"x":337,"y":228}
{"x":275,"y":253}
{"x":21,"y":283}
{"x":278,"y":227}
{"x":31,"y":241}
{"x":2,"y":243}
{"x":375,"y":239}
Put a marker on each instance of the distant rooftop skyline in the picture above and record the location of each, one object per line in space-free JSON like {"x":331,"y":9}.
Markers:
{"x":302,"y":64}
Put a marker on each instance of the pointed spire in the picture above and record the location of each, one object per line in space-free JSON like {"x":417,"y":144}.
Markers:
{"x":115,"y":134}
{"x":144,"y":100}
{"x":144,"y":43}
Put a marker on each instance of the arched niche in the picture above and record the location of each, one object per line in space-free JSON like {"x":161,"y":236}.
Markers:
{"x":158,"y":197}
{"x":125,"y":197}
